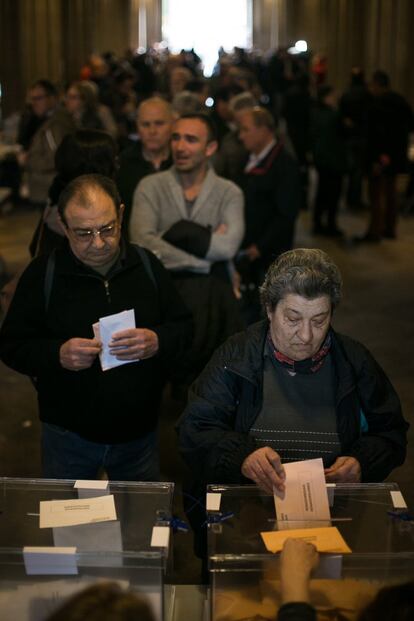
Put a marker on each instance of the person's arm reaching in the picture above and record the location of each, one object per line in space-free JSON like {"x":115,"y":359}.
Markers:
{"x":297,"y":560}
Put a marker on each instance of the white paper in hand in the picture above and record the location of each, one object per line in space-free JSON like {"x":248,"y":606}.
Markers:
{"x":103,"y":331}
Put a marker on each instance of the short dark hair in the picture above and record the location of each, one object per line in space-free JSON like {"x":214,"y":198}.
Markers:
{"x":48,"y":86}
{"x":85,"y":152}
{"x":308,"y":272}
{"x":206,"y":120}
{"x":381,"y":78}
{"x":80,"y":187}
{"x":104,"y":602}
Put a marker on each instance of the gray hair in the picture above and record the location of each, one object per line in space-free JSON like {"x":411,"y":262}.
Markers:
{"x":186,"y":102}
{"x":307,"y":272}
{"x":242,"y":101}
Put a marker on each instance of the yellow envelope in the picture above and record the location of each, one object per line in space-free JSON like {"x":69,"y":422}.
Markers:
{"x":327,"y":539}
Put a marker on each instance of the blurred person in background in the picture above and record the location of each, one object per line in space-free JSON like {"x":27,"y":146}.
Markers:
{"x":271,"y":185}
{"x":83,"y":152}
{"x":389,"y":122}
{"x":52,"y":123}
{"x":82,"y":104}
{"x":150,"y":154}
{"x":353,"y":107}
{"x":231,"y":155}
{"x":329,"y":156}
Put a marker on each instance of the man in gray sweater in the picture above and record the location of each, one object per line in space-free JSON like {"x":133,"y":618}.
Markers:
{"x":193,"y":221}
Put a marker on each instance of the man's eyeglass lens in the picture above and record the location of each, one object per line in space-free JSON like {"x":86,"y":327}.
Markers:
{"x":87,"y":235}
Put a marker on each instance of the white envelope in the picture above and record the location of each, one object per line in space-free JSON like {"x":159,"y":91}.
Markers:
{"x":305,"y":501}
{"x":103,"y":331}
{"x":76,"y":511}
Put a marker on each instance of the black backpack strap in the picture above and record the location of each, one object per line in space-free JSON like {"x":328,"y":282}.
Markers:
{"x":50,"y":272}
{"x":147,"y":264}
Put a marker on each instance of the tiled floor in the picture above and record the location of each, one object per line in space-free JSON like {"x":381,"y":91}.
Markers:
{"x":377,"y":309}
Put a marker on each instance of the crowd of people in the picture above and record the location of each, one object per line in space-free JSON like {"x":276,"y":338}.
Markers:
{"x":150,"y":200}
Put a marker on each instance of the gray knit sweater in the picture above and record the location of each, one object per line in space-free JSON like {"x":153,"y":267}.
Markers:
{"x":159,"y":203}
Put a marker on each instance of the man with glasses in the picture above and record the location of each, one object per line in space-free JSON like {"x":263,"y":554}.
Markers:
{"x":94,"y":420}
{"x":41,"y":131}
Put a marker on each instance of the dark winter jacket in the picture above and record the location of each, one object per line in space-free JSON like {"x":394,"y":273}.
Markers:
{"x":227,"y":397}
{"x":272,"y":193}
{"x":132,"y":168}
{"x":328,"y":139}
{"x":114,"y":406}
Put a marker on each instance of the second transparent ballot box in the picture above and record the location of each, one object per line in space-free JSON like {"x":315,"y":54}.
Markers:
{"x":245,"y":575}
{"x":41,"y":567}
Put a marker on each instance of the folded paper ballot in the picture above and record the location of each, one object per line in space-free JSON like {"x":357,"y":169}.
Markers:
{"x":305,"y":499}
{"x":76,"y":511}
{"x":103,"y":331}
{"x":324,"y":539}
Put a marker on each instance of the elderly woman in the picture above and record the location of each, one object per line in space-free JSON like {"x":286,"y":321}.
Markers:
{"x":291,"y":388}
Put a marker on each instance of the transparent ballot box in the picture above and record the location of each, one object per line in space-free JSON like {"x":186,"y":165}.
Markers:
{"x":41,"y":567}
{"x":245,"y":576}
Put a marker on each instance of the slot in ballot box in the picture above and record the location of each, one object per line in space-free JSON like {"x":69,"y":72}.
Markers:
{"x":245,"y":576}
{"x":41,"y":567}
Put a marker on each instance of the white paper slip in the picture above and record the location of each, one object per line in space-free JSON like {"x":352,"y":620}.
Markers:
{"x":83,"y":484}
{"x":48,"y":560}
{"x":305,"y":497}
{"x":160,"y":536}
{"x":213,"y":501}
{"x":76,"y":511}
{"x":103,"y":331}
{"x":398,"y":500}
{"x":90,"y":489}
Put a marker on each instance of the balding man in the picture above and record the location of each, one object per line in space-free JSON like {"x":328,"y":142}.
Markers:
{"x":272,"y":192}
{"x":150,"y":154}
{"x":95,"y":419}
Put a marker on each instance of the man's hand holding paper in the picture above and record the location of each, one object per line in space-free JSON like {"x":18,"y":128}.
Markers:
{"x":134,"y":344}
{"x":77,"y":354}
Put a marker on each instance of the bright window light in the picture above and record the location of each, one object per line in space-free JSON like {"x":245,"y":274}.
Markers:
{"x":207,"y":26}
{"x":301,"y":46}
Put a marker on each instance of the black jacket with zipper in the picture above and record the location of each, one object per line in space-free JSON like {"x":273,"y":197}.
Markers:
{"x":226,"y":399}
{"x":118,"y":405}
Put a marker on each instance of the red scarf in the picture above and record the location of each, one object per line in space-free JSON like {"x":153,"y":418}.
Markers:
{"x":309,"y":365}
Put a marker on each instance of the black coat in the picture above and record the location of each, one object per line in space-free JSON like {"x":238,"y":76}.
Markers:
{"x":390,"y":120}
{"x":114,"y":406}
{"x":132,"y":168}
{"x":227,"y":397}
{"x":273,"y":196}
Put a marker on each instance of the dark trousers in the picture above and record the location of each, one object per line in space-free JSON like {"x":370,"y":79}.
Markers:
{"x":327,"y":198}
{"x":384,"y":209}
